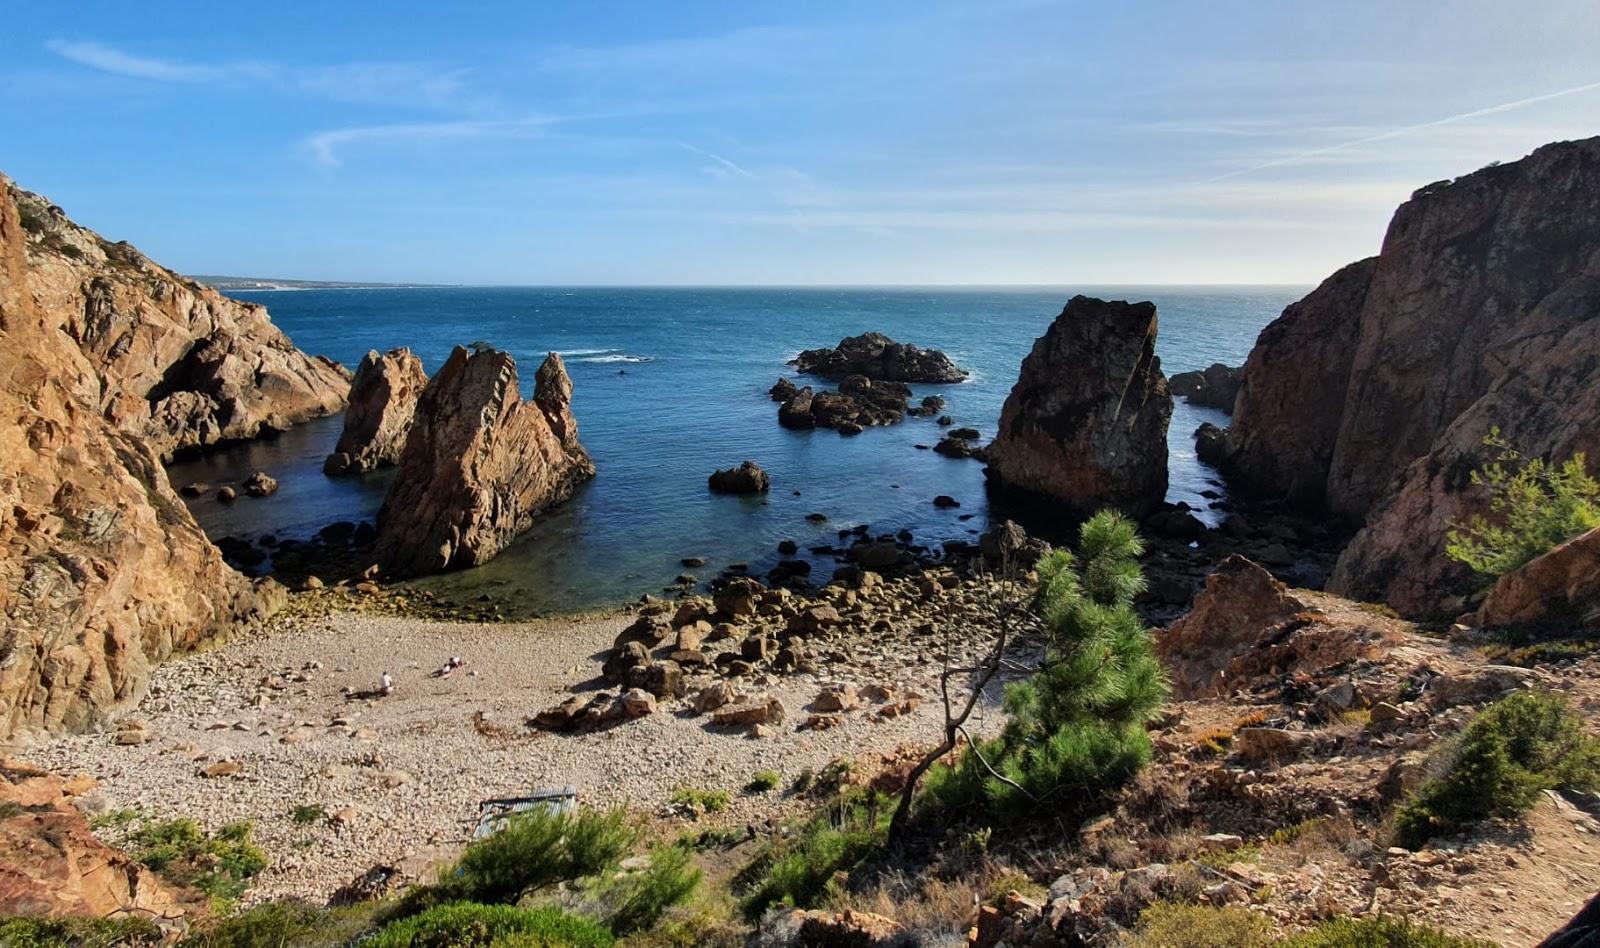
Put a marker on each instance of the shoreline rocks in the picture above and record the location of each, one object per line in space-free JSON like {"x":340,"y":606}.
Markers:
{"x":879,"y":358}
{"x":382,"y":403}
{"x":1215,"y":386}
{"x":747,"y":478}
{"x":1086,"y":423}
{"x":479,"y":464}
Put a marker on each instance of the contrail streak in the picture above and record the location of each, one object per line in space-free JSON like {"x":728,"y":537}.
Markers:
{"x":1397,"y":132}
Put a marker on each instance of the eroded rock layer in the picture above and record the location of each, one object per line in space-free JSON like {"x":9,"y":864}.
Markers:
{"x":177,"y":363}
{"x":479,"y":463}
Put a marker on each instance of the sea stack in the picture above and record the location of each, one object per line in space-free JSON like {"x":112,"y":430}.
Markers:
{"x":383,"y":401}
{"x":479,"y":463}
{"x":1086,"y":424}
{"x":1370,"y":398}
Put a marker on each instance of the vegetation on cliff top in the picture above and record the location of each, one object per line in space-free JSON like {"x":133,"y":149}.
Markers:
{"x":1535,"y":506}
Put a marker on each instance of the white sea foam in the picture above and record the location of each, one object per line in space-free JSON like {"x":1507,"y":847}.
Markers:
{"x":583,"y":352}
{"x":630,"y":359}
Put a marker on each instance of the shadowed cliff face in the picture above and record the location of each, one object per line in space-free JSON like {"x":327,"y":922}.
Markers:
{"x":179,"y":364}
{"x":103,"y":572}
{"x":1086,"y":424}
{"x":479,"y":463}
{"x":1370,"y":396}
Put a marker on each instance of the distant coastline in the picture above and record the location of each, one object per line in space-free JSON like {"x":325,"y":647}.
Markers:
{"x":266,"y":283}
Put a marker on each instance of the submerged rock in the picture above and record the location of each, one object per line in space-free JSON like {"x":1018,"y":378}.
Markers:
{"x":1086,"y":423}
{"x":880,"y":358}
{"x":383,"y":401}
{"x":480,"y":463}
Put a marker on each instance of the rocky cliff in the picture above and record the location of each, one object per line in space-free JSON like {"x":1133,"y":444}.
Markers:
{"x":479,"y":463}
{"x":1086,"y":423}
{"x":103,"y":572}
{"x":177,"y":363}
{"x":383,"y":399}
{"x":1370,"y":396}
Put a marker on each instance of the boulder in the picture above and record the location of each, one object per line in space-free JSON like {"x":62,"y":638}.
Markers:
{"x":796,"y":412}
{"x":479,"y":463}
{"x":747,"y":478}
{"x":1211,"y":445}
{"x":260,"y":484}
{"x":761,"y":710}
{"x":1562,"y":585}
{"x":1085,"y":426}
{"x":104,"y":572}
{"x":739,"y":596}
{"x":878,"y":357}
{"x":1246,"y":629}
{"x":1007,"y":544}
{"x":52,"y":865}
{"x":782,"y":390}
{"x":1369,"y":398}
{"x":383,"y":401}
{"x":1216,"y":386}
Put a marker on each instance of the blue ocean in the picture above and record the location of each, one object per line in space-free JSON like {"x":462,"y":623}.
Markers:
{"x":670,"y":384}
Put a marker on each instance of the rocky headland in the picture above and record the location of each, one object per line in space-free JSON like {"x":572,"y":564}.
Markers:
{"x":1371,"y":397}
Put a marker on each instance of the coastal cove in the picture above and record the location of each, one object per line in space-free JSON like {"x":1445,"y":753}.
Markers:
{"x":670,"y":384}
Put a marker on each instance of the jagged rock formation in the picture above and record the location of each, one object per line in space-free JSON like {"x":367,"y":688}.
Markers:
{"x":859,"y":403}
{"x":879,"y":358}
{"x":1561,"y":586}
{"x":51,"y":864}
{"x":480,"y":463}
{"x":383,"y":399}
{"x":178,"y":364}
{"x":1215,"y":386}
{"x":1086,"y":423}
{"x":103,"y":572}
{"x":1370,"y":396}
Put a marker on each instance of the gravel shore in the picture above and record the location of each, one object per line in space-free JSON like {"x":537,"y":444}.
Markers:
{"x":401,"y":777}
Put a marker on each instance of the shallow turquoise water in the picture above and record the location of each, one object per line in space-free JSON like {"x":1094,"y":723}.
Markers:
{"x":670,"y":384}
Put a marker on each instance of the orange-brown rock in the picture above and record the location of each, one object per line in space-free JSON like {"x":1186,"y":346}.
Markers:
{"x":383,"y":401}
{"x":103,"y":572}
{"x":1370,"y":396}
{"x":1246,"y":626}
{"x":479,"y":463}
{"x":177,"y":363}
{"x":1561,"y":586}
{"x":1086,"y":424}
{"x":798,"y":928}
{"x":52,"y":865}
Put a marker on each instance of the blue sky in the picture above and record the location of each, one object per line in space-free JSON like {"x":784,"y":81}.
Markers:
{"x":1002,"y":142}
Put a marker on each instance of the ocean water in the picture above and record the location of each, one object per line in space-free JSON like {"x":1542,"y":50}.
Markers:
{"x":670,"y":384}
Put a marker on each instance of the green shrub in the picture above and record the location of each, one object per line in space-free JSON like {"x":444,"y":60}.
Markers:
{"x":1170,"y":925}
{"x":1510,"y":752}
{"x":282,"y":924}
{"x":705,"y":801}
{"x":221,"y":864}
{"x":1077,"y":727}
{"x":1535,"y":507}
{"x":796,"y":870}
{"x":18,"y":932}
{"x":1380,"y":931}
{"x":305,"y":813}
{"x":535,"y":850}
{"x":469,"y":925}
{"x":638,"y":901}
{"x":763,"y":781}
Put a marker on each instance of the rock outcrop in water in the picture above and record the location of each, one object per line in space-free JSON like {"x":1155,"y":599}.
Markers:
{"x":480,"y":463}
{"x":1086,"y":424}
{"x":178,"y":364}
{"x":879,"y":358}
{"x":1370,"y":397}
{"x":383,"y":400}
{"x":1215,"y":386}
{"x":859,"y":403}
{"x":103,"y":572}
{"x":747,"y":478}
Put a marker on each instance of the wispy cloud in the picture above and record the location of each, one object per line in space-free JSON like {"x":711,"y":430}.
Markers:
{"x":120,"y":63}
{"x":1316,"y":153}
{"x":722,"y":165}
{"x":326,"y":146}
{"x":402,"y":84}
